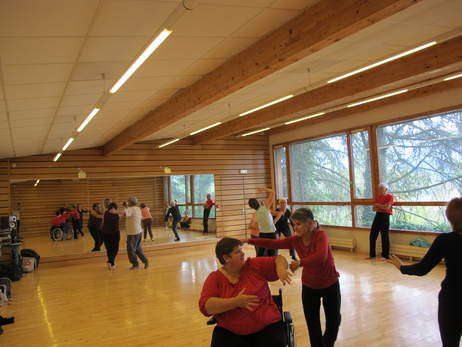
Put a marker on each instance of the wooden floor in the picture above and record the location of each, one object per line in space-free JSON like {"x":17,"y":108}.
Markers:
{"x":87,"y":305}
{"x":47,"y":247}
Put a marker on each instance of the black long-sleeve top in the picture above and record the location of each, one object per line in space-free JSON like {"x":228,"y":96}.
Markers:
{"x":175,"y":212}
{"x":449,"y":247}
{"x":283,"y":222}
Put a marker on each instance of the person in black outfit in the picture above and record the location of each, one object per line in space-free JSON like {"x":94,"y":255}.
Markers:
{"x":81,"y":212}
{"x":111,"y":234}
{"x":449,"y":247}
{"x":95,"y":225}
{"x":174,"y":211}
{"x":281,"y":221}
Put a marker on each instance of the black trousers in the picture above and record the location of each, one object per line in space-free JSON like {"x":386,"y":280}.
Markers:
{"x":331,"y":301}
{"x":97,"y":237}
{"x":381,"y":224}
{"x":287,"y":233}
{"x":147,"y":226}
{"x":111,"y":242}
{"x":450,"y":321}
{"x":272,"y":335}
{"x":205,"y":220}
{"x":174,"y":227}
{"x":266,"y":252}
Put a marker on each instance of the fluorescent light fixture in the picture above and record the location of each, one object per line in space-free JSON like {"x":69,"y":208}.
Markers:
{"x":36,"y":183}
{"x":303,"y":118}
{"x":266,"y":105}
{"x":169,"y":143}
{"x":57,"y":156}
{"x":378,"y":98}
{"x":141,"y":59}
{"x":255,"y":132}
{"x":88,"y":119}
{"x":453,"y":77}
{"x":383,"y":61}
{"x":200,"y":130}
{"x":68,"y":143}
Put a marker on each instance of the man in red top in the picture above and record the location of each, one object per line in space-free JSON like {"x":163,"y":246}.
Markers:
{"x":209,"y":203}
{"x":383,"y":210}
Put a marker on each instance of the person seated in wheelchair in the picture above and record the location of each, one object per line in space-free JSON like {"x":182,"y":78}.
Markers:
{"x":59,"y":220}
{"x":239,"y":298}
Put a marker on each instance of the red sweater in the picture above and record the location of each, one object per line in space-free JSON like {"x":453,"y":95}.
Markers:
{"x":384,"y":200}
{"x":255,"y":275}
{"x":316,"y":258}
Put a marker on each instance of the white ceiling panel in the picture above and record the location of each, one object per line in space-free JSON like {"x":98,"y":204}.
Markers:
{"x":149,"y":83}
{"x":32,"y":103}
{"x":80,"y":100}
{"x":204,"y":66}
{"x":46,"y":113}
{"x":206,"y":20}
{"x":46,"y":73}
{"x":27,"y":123}
{"x":107,"y":71}
{"x":131,"y":18}
{"x":37,"y":90}
{"x":186,"y":47}
{"x":86,"y":87}
{"x":243,"y":3}
{"x":73,"y":111}
{"x":40,"y":50}
{"x":293,"y":4}
{"x":265,"y":21}
{"x":112,"y":49}
{"x":45,"y":17}
{"x":159,"y":67}
{"x":229,"y":47}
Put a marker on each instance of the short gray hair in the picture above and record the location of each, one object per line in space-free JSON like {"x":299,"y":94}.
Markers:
{"x":133,"y":200}
{"x":383,"y":185}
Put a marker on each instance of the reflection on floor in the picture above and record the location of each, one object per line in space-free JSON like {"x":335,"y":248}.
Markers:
{"x":87,"y":305}
{"x":47,"y":248}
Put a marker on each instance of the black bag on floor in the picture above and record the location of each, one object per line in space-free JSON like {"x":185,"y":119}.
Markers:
{"x":12,"y":271}
{"x":31,"y":253}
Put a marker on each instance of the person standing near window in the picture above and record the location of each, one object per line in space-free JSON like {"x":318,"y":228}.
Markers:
{"x":209,"y":203}
{"x":174,"y":211}
{"x":449,"y":247}
{"x":381,"y":224}
{"x":282,"y":221}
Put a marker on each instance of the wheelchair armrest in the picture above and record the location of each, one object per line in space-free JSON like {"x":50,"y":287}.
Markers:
{"x":287,"y":317}
{"x":211,"y":321}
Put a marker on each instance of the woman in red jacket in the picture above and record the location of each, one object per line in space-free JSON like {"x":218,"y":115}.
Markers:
{"x":238,"y":296}
{"x":319,"y":276}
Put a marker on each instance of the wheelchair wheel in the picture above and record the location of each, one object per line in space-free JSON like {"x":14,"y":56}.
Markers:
{"x":68,"y":235}
{"x":57,"y":234}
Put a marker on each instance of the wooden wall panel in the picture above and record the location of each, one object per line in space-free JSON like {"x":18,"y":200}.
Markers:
{"x":4,"y":189}
{"x":40,"y":203}
{"x":141,"y":162}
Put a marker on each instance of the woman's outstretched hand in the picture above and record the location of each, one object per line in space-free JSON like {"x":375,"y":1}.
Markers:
{"x":395,"y":261}
{"x":284,"y":276}
{"x":248,"y":302}
{"x":294,"y":265}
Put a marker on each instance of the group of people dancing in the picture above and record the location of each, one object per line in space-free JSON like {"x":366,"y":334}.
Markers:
{"x":70,"y":220}
{"x":238,"y":296}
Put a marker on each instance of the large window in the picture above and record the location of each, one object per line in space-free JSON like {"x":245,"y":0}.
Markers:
{"x":190,"y":191}
{"x":420,"y":160}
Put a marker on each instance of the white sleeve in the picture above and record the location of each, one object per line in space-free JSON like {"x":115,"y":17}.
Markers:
{"x":128,"y":212}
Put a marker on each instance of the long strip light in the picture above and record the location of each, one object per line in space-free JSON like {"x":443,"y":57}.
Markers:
{"x":36,"y":183}
{"x":169,"y":143}
{"x":383,"y":61}
{"x":266,"y":105}
{"x":203,"y":129}
{"x":57,"y":156}
{"x":141,"y":59}
{"x":453,"y":77}
{"x":88,"y":119}
{"x":377,"y":98}
{"x":68,"y":143}
{"x":255,"y":132}
{"x":306,"y":117}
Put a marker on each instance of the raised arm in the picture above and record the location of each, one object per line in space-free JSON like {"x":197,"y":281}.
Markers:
{"x":282,"y":270}
{"x":269,"y":202}
{"x":286,"y":243}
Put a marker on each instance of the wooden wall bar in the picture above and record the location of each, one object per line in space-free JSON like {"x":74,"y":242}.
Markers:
{"x":223,"y":158}
{"x":4,"y":189}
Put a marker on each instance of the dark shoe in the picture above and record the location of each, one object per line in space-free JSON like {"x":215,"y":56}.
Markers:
{"x":135,"y":267}
{"x":177,"y":239}
{"x":146,"y":265}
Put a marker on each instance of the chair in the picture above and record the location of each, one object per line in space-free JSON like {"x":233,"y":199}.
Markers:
{"x":286,"y":319}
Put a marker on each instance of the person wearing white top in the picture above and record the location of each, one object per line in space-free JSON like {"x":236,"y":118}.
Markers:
{"x":133,"y":226}
{"x":263,"y":215}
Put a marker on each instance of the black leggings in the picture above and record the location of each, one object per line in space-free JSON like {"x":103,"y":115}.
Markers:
{"x":331,"y":301}
{"x":111,"y":242}
{"x":272,"y":335}
{"x":96,"y":234}
{"x":450,"y":322}
{"x":380,"y":224}
{"x":266,"y":252}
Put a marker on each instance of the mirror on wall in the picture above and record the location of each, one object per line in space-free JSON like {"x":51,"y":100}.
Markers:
{"x":36,"y":206}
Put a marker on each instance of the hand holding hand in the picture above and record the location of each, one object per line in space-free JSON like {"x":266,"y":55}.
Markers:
{"x":284,"y":276}
{"x":294,"y":265}
{"x":248,"y":302}
{"x":395,"y":261}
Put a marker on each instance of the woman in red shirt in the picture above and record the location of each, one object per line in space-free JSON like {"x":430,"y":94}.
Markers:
{"x":238,"y":296}
{"x":383,"y":210}
{"x":319,"y":276}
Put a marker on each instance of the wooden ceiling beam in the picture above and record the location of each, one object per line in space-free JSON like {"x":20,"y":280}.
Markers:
{"x":421,"y":63}
{"x":321,"y":25}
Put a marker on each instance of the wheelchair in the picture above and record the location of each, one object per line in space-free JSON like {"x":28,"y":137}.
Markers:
{"x":286,"y":319}
{"x":60,"y":233}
